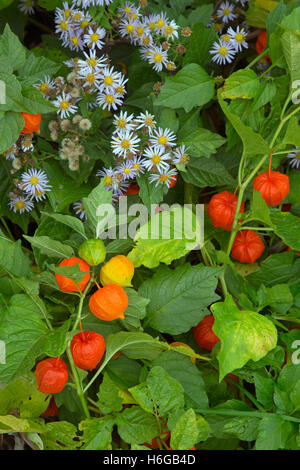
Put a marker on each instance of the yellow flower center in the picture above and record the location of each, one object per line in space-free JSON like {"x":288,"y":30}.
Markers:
{"x":107,"y":180}
{"x":226,"y":11}
{"x":156,"y":159}
{"x":140,"y":31}
{"x":19,"y":205}
{"x":125,"y":144}
{"x":129,"y":28}
{"x":152,"y":26}
{"x":146,"y":40}
{"x":75,"y":40}
{"x":170,"y":65}
{"x":163,"y":178}
{"x":64,"y":25}
{"x":120,"y":90}
{"x":66,"y":12}
{"x":239,"y":37}
{"x":90,"y":78}
{"x":44,"y":87}
{"x":223,"y":51}
{"x":184,"y":158}
{"x":84,"y":24}
{"x":218,"y":26}
{"x":169,"y":30}
{"x":162,"y":140}
{"x":108,"y":80}
{"x":158,"y":57}
{"x":121,"y":123}
{"x":160,"y":23}
{"x":225,"y":38}
{"x":94,"y":37}
{"x":92,"y":62}
{"x":34,"y":180}
{"x":127,"y":9}
{"x":64,"y":104}
{"x":110,"y":99}
{"x":298,"y":156}
{"x":133,"y":16}
{"x":148,"y":121}
{"x":136,"y":166}
{"x":78,"y":15}
{"x":127,"y":171}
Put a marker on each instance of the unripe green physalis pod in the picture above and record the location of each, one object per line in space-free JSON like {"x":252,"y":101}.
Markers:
{"x":92,"y":251}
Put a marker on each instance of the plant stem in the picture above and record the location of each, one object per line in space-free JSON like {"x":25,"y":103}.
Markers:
{"x":250,"y":414}
{"x":254,"y":61}
{"x":247,"y":394}
{"x":7,"y":229}
{"x":77,"y":383}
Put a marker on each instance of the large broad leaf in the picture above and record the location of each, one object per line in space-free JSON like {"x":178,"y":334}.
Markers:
{"x":11,"y":47}
{"x":96,"y":206}
{"x":189,"y":430}
{"x":202,"y":142}
{"x":50,"y":248}
{"x":187,"y":374}
{"x":167,"y":236}
{"x":278,"y":268}
{"x":291,"y":49}
{"x":244,"y":335}
{"x":274,"y":432}
{"x":243,"y":84}
{"x":35,"y":69}
{"x":190,"y":87}
{"x":13,"y":96}
{"x":97,"y":433}
{"x":10,"y":424}
{"x":23,"y":332}
{"x":133,"y":345}
{"x":35,"y":102}
{"x":160,"y":394}
{"x":136,"y":426}
{"x":200,"y":43}
{"x":254,"y":144}
{"x":179,"y":298}
{"x":11,"y":125}
{"x":12,"y":258}
{"x":259,"y":209}
{"x":109,"y":400}
{"x":204,"y":172}
{"x":287,"y":227}
{"x":149,"y":192}
{"x":73,"y":222}
{"x":60,"y":435}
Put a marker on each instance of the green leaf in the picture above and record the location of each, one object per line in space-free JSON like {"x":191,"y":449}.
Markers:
{"x":12,"y":258}
{"x":287,"y":227}
{"x":72,"y":272}
{"x":23,"y":394}
{"x":253,"y":143}
{"x":278,"y":268}
{"x":50,"y":248}
{"x":279,"y":297}
{"x":97,"y":433}
{"x":11,"y":47}
{"x":35,"y":102}
{"x":160,"y":394}
{"x":292,"y":135}
{"x":244,"y":335}
{"x":291,"y":49}
{"x":73,"y":222}
{"x":179,"y":298}
{"x":109,"y":400}
{"x":13,"y":95}
{"x":136,"y":309}
{"x":167,"y":236}
{"x":187,"y":374}
{"x":55,"y":343}
{"x":133,"y":345}
{"x":10,"y":127}
{"x":202,"y":142}
{"x":243,"y":84}
{"x":259,"y":209}
{"x":10,"y":423}
{"x":31,"y":288}
{"x":186,"y":433}
{"x":273,"y":433}
{"x":190,"y":87}
{"x":200,"y":43}
{"x":60,"y":435}
{"x":35,"y":69}
{"x":97,"y":198}
{"x":136,"y":426}
{"x":149,"y":192}
{"x":203,"y":172}
{"x":23,"y":332}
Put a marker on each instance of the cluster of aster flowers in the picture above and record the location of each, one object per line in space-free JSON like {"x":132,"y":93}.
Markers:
{"x":140,"y":146}
{"x":32,"y":187}
{"x":152,"y":33}
{"x":232,"y":39}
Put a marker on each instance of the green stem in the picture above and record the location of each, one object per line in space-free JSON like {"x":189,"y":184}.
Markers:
{"x":7,"y":229}
{"x":257,"y":58}
{"x":263,"y":229}
{"x":256,"y":414}
{"x":77,"y":383}
{"x":82,"y":297}
{"x":247,"y":394}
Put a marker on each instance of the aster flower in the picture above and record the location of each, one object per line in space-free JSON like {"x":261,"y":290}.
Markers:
{"x":226,"y":12}
{"x":127,"y":28}
{"x":161,"y":22}
{"x":93,"y":38}
{"x":10,"y":154}
{"x":108,"y":175}
{"x":27,"y":7}
{"x":238,"y":38}
{"x":180,"y":156}
{"x":109,"y":100}
{"x":163,"y":138}
{"x":124,"y":142}
{"x":156,"y":158}
{"x":20,"y":204}
{"x":79,"y":209}
{"x":138,"y":165}
{"x":35,"y":183}
{"x":120,"y":86}
{"x":64,"y":105}
{"x":146,"y":120}
{"x":92,"y":78}
{"x":45,"y":86}
{"x":109,"y":80}
{"x":122,"y":122}
{"x":92,"y":62}
{"x":164,"y":176}
{"x":170,"y":30}
{"x":126,"y":170}
{"x":223,"y":52}
{"x":294,"y":158}
{"x":158,"y":57}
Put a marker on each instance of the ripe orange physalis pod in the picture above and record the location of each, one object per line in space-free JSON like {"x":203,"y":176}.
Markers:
{"x":32,"y":123}
{"x":204,"y":335}
{"x":247,"y":247}
{"x":51,"y":375}
{"x":273,"y":186}
{"x":221,"y":209}
{"x":118,"y":270}
{"x":87,"y":349}
{"x":261,"y":42}
{"x":132,"y":189}
{"x":52,"y":409}
{"x":173,"y":182}
{"x":109,"y":302}
{"x":68,"y":285}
